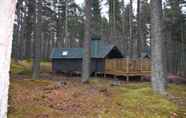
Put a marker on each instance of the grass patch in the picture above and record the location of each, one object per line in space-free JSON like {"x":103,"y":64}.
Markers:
{"x":24,"y":67}
{"x":19,"y":69}
{"x":16,"y":68}
{"x":142,"y":103}
{"x":178,"y":94}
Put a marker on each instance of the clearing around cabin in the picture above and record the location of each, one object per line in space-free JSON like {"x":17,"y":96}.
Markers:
{"x":56,"y":96}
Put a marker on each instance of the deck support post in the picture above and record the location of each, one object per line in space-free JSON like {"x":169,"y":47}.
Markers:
{"x":95,"y":74}
{"x":104,"y":75}
{"x":127,"y":79}
{"x":141,"y":78}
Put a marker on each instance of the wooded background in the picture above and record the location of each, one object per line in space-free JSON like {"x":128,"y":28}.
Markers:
{"x":52,"y":24}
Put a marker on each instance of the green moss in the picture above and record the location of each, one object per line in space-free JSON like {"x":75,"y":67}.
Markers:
{"x":178,"y":90}
{"x":178,"y":93}
{"x":139,"y":101}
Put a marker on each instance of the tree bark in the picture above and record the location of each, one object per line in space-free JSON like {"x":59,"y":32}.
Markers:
{"x":29,"y":30}
{"x":66,"y":38}
{"x":86,"y":44}
{"x":36,"y":45}
{"x":158,"y":69}
{"x":124,"y":39}
{"x":7,"y":11}
{"x":131,"y":47}
{"x":141,"y":38}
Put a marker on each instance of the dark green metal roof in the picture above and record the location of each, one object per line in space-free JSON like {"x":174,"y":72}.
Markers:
{"x":99,"y":49}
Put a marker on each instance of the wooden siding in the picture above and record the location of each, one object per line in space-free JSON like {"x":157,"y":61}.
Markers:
{"x":75,"y":65}
{"x":126,"y":67}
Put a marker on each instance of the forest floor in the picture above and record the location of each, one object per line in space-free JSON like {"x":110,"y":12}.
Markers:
{"x":56,"y":96}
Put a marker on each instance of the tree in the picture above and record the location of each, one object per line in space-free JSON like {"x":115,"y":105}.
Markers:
{"x":158,"y":74}
{"x":131,"y":50}
{"x":18,"y":30}
{"x":96,"y":17}
{"x":36,"y":45}
{"x":86,"y":44}
{"x":60,"y":12}
{"x":140,"y":33}
{"x":66,"y":38}
{"x":7,"y":11}
{"x":29,"y":28}
{"x":143,"y":21}
{"x":124,"y":28}
{"x":53,"y":27}
{"x":114,"y":20}
{"x":174,"y":21}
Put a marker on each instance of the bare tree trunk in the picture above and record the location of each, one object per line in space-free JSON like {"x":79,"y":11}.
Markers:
{"x":66,"y":38}
{"x":131,"y":30}
{"x":139,"y":28}
{"x":112,"y":22}
{"x":29,"y":29}
{"x":36,"y":45}
{"x":158,"y":74}
{"x":7,"y":11}
{"x":86,"y":44}
{"x":17,"y":40}
{"x":141,"y":38}
{"x":182,"y":50}
{"x":124,"y":44}
{"x":165,"y":53}
{"x":18,"y":45}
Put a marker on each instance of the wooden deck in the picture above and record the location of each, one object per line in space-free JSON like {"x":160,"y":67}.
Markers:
{"x":126,"y":67}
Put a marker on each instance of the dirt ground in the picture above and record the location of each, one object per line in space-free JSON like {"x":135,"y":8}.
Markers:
{"x":56,"y":96}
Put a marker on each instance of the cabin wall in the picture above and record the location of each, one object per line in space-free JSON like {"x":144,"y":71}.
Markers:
{"x":99,"y":65}
{"x":75,"y":65}
{"x":66,"y":65}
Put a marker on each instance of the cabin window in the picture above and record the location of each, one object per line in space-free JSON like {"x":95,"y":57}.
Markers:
{"x":65,"y":53}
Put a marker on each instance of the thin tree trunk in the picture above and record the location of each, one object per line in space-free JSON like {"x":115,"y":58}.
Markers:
{"x":182,"y":50}
{"x":17,"y":39}
{"x":141,"y":38}
{"x":165,"y":55}
{"x":18,"y":45}
{"x":139,"y":28}
{"x":29,"y":30}
{"x":158,"y":69}
{"x":124,"y":44}
{"x":7,"y":11}
{"x":36,"y":45}
{"x":114,"y":21}
{"x":21,"y":38}
{"x":86,"y":44}
{"x":131,"y":30}
{"x":66,"y":40}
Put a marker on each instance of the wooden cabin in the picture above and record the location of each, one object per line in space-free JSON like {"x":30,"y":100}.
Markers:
{"x":69,"y":60}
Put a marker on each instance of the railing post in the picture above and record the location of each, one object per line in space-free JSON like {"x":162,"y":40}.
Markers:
{"x":141,"y":68}
{"x":127,"y":64}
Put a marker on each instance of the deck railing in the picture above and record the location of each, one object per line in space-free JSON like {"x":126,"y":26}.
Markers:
{"x":128,"y":67}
